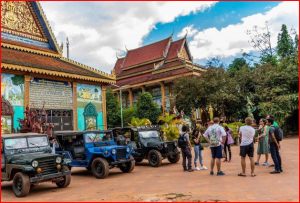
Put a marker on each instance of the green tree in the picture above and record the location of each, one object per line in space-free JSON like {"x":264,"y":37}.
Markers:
{"x":128,"y":114}
{"x":112,"y":109}
{"x":284,"y":43}
{"x":19,"y":81}
{"x":236,"y":65}
{"x":146,"y":108}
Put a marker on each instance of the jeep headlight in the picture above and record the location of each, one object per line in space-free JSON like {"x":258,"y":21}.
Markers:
{"x":113,"y":151}
{"x":127,"y":149}
{"x":58,"y":160}
{"x":35,"y":164}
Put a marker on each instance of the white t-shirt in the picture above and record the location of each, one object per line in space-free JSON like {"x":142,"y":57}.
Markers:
{"x":219,"y":130}
{"x":247,"y":134}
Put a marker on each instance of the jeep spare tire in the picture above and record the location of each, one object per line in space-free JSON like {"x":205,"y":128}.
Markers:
{"x":65,"y":182}
{"x":154,"y":158}
{"x":21,"y":184}
{"x":174,"y":158}
{"x":100,"y":168}
{"x":127,"y":167}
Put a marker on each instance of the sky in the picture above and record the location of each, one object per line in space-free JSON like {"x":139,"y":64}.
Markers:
{"x":98,"y":32}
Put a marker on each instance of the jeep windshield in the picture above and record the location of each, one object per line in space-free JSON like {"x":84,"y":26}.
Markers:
{"x":97,"y":137}
{"x":26,"y":142}
{"x":149,"y":136}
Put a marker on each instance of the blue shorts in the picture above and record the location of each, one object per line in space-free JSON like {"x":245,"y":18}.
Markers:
{"x":216,"y":152}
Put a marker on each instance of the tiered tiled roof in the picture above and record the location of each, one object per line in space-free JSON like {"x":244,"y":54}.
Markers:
{"x":154,"y":62}
{"x":30,"y":57}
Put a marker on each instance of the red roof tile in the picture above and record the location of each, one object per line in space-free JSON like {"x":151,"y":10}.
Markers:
{"x":175,"y":48}
{"x":150,"y":77}
{"x":22,"y":58}
{"x":146,"y":53}
{"x":118,"y":66}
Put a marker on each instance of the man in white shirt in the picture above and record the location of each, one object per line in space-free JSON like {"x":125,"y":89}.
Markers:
{"x":246,"y":134}
{"x":215,"y":136}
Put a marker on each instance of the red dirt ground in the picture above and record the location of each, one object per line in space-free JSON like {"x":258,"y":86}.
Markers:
{"x":169,"y":183}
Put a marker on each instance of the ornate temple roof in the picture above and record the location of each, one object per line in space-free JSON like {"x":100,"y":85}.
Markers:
{"x":156,"y":61}
{"x":28,"y":45}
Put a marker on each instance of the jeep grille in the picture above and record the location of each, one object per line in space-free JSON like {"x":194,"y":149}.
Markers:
{"x":121,"y":154}
{"x":48,"y":166}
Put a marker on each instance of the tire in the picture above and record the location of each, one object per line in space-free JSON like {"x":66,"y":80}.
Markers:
{"x":66,"y":179}
{"x":174,"y":158}
{"x":155,"y":158}
{"x":21,"y":184}
{"x":138,"y":160}
{"x":127,"y":167}
{"x":100,"y":168}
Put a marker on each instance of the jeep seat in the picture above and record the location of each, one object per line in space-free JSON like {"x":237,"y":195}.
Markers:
{"x":132,"y":144}
{"x":79,"y":152}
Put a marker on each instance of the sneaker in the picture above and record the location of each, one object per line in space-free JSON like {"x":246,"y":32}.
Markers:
{"x":185,"y":170}
{"x":203,"y":168}
{"x":197,"y":169}
{"x":265,"y":164}
{"x":211,"y":173}
{"x":190,"y":170}
{"x":220,"y":173}
{"x":256,"y":164}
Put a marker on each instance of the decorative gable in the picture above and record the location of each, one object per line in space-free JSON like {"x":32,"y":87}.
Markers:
{"x":184,"y":54}
{"x":17,"y":18}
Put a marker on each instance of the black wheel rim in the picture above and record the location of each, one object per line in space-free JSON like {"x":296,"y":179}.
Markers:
{"x":153,"y":159}
{"x":19,"y":184}
{"x":62,"y":182}
{"x":99,"y":168}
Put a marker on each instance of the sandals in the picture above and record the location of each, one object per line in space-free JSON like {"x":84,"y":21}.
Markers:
{"x":253,"y":175}
{"x":241,"y":174}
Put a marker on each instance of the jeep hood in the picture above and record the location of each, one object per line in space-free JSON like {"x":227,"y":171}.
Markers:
{"x":155,"y":144}
{"x":29,"y":157}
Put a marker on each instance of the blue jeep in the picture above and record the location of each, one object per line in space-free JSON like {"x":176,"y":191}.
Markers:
{"x":94,"y":150}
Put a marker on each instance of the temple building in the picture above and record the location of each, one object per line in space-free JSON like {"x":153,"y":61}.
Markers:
{"x":35,"y":74}
{"x":154,"y":68}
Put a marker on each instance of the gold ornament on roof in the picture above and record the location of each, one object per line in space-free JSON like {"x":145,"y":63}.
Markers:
{"x":17,"y":18}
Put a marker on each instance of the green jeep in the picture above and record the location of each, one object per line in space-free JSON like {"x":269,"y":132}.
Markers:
{"x":26,"y":159}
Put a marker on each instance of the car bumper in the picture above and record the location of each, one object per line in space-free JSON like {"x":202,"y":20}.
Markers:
{"x":41,"y":178}
{"x":122,"y":161}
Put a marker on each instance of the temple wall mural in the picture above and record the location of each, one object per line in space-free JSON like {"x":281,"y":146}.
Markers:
{"x":12,"y":90}
{"x":89,"y":107}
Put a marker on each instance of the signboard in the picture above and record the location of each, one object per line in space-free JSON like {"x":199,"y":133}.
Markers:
{"x":51,"y":94}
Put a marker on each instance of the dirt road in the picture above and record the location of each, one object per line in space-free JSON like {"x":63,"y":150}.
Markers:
{"x":170,"y":183}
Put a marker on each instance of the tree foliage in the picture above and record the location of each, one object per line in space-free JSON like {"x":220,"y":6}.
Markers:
{"x":271,"y":85}
{"x":112,"y":109}
{"x":147,"y":108}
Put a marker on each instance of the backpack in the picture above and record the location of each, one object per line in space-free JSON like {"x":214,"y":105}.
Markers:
{"x":278,"y":133}
{"x":213,"y":138}
{"x":182,"y":142}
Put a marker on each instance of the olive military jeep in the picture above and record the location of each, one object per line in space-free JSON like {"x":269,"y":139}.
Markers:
{"x":27,"y":160}
{"x":147,"y":143}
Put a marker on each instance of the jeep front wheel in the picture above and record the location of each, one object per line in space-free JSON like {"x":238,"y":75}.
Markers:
{"x":154,"y":158}
{"x":174,"y":158}
{"x":127,"y":167}
{"x":100,"y":168}
{"x":21,"y":184}
{"x":65,"y":182}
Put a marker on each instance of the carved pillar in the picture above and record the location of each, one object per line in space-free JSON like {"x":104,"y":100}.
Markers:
{"x":130,"y":97}
{"x":27,"y":79}
{"x":163,"y":96}
{"x":75,"y":117}
{"x":104,"y":107}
